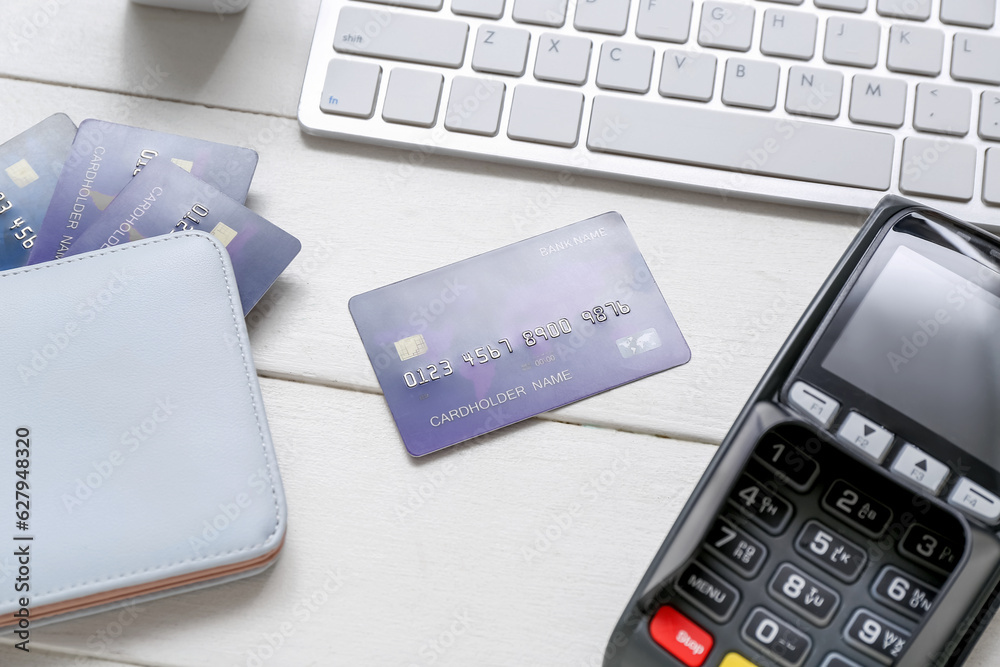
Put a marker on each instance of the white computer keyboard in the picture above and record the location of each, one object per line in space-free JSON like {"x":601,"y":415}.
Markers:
{"x":828,"y":102}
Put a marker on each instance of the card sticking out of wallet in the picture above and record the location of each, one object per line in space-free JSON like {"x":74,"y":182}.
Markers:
{"x":495,"y":339}
{"x":165,"y":198}
{"x":104,"y":158}
{"x":30,"y":165}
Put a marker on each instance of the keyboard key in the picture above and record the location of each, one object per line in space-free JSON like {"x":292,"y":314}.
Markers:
{"x":813,"y":402}
{"x":975,"y":500}
{"x":726,"y":25}
{"x":540,"y":12}
{"x":930,"y":549}
{"x":937,"y":168}
{"x":788,"y":34}
{"x":975,"y":57}
{"x":989,"y":116}
{"x":991,"y":178}
{"x":712,"y":594}
{"x":865,"y":436}
{"x":412,"y":97}
{"x":903,"y":592}
{"x":489,"y":9}
{"x":972,"y":13}
{"x":876,"y":636}
{"x":803,"y":594}
{"x":915,"y":465}
{"x":736,"y":548}
{"x":843,"y":5}
{"x":665,"y":20}
{"x":779,"y":640}
{"x":474,"y":106}
{"x":735,"y":660}
{"x":814,"y":92}
{"x":413,"y":38}
{"x":688,"y":75}
{"x":545,"y":115}
{"x":677,"y":133}
{"x":831,"y":551}
{"x":769,"y":510}
{"x":919,"y":10}
{"x":857,"y":509}
{"x":501,"y":50}
{"x":792,"y":467}
{"x":606,"y":16}
{"x":562,"y":59}
{"x":750,"y":83}
{"x":837,"y":660}
{"x":433,"y":5}
{"x":851,"y":42}
{"x":624,"y":66}
{"x":680,"y":636}
{"x":877,"y":101}
{"x":942,"y":109}
{"x":915,"y":50}
{"x":350,"y":88}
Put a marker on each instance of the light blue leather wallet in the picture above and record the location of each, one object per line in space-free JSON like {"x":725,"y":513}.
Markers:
{"x":135,"y":455}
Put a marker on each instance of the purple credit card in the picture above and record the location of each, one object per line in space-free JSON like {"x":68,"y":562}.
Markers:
{"x":104,"y":158}
{"x":495,"y":339}
{"x":165,"y":198}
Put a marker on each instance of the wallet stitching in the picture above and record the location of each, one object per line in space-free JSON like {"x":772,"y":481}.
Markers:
{"x":253,"y":401}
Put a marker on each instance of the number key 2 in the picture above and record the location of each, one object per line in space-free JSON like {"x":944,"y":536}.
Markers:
{"x":856,"y":508}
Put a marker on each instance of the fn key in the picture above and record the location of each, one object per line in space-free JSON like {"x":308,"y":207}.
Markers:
{"x":350,"y":88}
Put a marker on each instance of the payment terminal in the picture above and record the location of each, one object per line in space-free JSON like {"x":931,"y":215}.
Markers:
{"x":850,"y":517}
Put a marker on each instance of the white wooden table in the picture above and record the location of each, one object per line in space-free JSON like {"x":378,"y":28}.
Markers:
{"x":452,"y":560}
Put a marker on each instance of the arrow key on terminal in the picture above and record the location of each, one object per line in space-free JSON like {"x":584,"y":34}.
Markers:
{"x":865,"y":435}
{"x":916,"y":466}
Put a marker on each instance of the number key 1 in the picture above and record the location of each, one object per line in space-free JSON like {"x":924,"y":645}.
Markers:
{"x":791,"y":465}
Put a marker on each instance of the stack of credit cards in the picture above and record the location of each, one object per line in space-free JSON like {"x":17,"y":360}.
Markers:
{"x":65,"y":190}
{"x":491,"y":340}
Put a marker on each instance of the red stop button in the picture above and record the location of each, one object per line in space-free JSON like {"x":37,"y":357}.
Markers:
{"x":680,"y":636}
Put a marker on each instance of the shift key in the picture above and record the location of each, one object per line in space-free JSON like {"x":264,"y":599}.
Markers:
{"x":416,"y":39}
